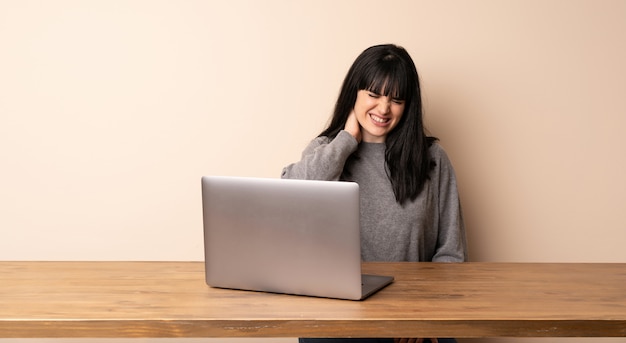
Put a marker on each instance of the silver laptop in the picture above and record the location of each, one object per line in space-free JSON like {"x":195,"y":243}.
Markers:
{"x":285,"y":236}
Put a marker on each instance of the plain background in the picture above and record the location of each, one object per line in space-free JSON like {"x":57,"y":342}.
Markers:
{"x":111,"y":111}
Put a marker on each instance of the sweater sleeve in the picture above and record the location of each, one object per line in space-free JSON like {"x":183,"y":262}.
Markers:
{"x":451,"y":241}
{"x":323,"y":159}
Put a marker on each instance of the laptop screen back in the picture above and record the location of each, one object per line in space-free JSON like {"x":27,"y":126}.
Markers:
{"x":284,"y":236}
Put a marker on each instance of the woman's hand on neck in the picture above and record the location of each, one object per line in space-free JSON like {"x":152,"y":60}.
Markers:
{"x":353,"y":127}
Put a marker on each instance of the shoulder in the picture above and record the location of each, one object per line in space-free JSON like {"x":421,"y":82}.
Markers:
{"x":437,"y":152}
{"x":440,"y":158}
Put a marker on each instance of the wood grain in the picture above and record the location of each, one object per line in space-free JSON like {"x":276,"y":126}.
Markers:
{"x":170,"y":299}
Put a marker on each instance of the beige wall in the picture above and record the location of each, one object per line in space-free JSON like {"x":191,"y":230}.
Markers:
{"x":110,"y":111}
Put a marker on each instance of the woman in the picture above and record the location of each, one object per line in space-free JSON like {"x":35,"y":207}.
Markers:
{"x":410,"y":208}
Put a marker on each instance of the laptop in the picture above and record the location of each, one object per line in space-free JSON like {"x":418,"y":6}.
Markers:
{"x":298,"y":237}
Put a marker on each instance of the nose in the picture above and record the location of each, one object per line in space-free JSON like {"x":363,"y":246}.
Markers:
{"x":384,"y":104}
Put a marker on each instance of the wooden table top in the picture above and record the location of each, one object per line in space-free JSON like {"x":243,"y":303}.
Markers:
{"x":170,"y":299}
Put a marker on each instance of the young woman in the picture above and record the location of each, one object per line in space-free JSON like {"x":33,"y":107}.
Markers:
{"x":410,"y":208}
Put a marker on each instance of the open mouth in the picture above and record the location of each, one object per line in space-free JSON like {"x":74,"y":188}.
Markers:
{"x":379,"y":120}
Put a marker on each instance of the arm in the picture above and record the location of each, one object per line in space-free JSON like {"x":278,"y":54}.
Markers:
{"x":451,"y":241}
{"x":323,"y":159}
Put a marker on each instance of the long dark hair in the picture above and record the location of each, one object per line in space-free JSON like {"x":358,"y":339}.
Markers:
{"x":389,"y":68}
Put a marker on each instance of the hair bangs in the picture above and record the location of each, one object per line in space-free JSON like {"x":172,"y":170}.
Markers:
{"x":387,"y":78}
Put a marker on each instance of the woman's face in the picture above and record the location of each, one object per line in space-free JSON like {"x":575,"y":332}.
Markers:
{"x":377,"y":114}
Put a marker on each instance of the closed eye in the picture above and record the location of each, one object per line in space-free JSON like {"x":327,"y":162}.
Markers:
{"x":396,"y":101}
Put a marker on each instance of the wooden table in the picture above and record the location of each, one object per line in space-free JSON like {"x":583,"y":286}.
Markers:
{"x":170,"y":299}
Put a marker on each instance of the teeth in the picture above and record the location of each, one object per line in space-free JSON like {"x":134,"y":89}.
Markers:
{"x":378,"y":119}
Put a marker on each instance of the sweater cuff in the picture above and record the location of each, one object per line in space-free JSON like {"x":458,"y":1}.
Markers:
{"x":345,"y":138}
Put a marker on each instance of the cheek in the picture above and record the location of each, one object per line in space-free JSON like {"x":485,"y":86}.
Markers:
{"x":398,"y":112}
{"x":362,"y":104}
{"x":361,"y":117}
{"x":360,"y":110}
